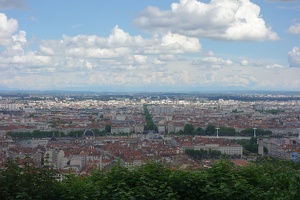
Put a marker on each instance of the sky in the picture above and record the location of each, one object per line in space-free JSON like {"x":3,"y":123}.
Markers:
{"x":150,"y":45}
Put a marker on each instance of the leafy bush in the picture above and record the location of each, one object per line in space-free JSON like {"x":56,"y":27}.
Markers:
{"x":264,"y":179}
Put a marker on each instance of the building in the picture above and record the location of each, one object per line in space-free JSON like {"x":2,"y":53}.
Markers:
{"x":226,"y":149}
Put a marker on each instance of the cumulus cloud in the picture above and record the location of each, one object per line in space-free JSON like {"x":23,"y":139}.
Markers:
{"x":158,"y":62}
{"x":7,"y":28}
{"x":169,"y":57}
{"x":119,"y":44}
{"x":5,"y":4}
{"x":294,"y":57}
{"x":122,"y":59}
{"x":212,"y":61}
{"x":261,"y":63}
{"x":219,"y":19}
{"x":274,"y":66}
{"x":244,"y":62}
{"x":294,"y":29}
{"x":118,"y":53}
{"x":173,"y":44}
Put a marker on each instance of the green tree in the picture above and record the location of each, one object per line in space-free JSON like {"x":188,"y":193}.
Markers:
{"x":200,"y":131}
{"x":24,"y":181}
{"x":149,"y":121}
{"x":227,"y":131}
{"x":189,"y":129}
{"x":259,"y":132}
{"x":108,"y":128}
{"x":210,"y":129}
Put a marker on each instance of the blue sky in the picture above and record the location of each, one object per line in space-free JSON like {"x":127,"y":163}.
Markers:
{"x":150,"y":45}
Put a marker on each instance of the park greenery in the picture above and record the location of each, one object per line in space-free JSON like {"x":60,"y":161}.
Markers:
{"x":149,"y":121}
{"x":250,"y":146}
{"x":189,"y":129}
{"x":49,"y":134}
{"x":35,"y":134}
{"x":263,"y":179}
{"x":271,"y":111}
{"x":210,"y":130}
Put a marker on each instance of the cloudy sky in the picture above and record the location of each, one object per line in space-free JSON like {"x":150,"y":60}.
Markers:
{"x":150,"y":45}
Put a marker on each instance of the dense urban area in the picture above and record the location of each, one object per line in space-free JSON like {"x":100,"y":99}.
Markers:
{"x":149,"y":146}
{"x":81,"y":132}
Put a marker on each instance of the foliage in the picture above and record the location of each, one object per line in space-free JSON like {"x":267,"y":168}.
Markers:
{"x":24,"y":181}
{"x":274,"y":111}
{"x":263,"y":179}
{"x":108,"y":128}
{"x":250,"y":145}
{"x":199,"y":131}
{"x":35,"y":134}
{"x":227,"y":131}
{"x":149,"y":121}
{"x":210,"y":129}
{"x":259,"y":132}
{"x":189,"y":129}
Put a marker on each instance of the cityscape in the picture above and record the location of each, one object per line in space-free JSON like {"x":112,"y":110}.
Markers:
{"x":84,"y":132}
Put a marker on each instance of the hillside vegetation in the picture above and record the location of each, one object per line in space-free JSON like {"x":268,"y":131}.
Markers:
{"x":264,"y":179}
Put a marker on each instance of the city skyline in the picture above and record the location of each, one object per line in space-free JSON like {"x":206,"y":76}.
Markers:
{"x":178,"y":45}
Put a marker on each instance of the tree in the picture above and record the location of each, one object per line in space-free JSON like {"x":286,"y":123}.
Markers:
{"x":200,"y":131}
{"x":210,"y":129}
{"x":24,"y":181}
{"x":249,"y":145}
{"x":259,"y":132}
{"x":149,"y":122}
{"x":227,"y":131}
{"x":189,"y":129}
{"x":108,"y":128}
{"x":266,"y":178}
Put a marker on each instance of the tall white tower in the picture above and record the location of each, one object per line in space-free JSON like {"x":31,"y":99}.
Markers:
{"x":217,"y":132}
{"x":254,"y":132}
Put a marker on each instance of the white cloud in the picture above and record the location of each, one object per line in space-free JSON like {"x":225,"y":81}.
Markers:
{"x":274,"y":66}
{"x":212,"y":62}
{"x":294,"y":29}
{"x":140,"y":59}
{"x":261,"y":63}
{"x":7,"y":28}
{"x":118,"y":51}
{"x":124,"y":60}
{"x":244,"y":62}
{"x":167,"y":57}
{"x":158,"y":62}
{"x":294,"y":57}
{"x":173,"y":44}
{"x":119,"y":44}
{"x":220,"y":19}
{"x":216,"y":61}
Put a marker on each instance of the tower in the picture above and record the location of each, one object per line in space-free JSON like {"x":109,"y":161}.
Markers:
{"x":217,"y":132}
{"x":254,"y":132}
